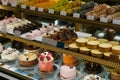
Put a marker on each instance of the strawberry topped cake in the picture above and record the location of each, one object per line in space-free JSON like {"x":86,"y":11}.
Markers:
{"x":46,"y":62}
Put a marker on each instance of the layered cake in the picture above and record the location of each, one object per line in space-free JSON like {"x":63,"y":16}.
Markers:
{"x":115,"y":75}
{"x":10,"y":54}
{"x":73,"y":47}
{"x":91,"y":38}
{"x":105,"y":47}
{"x":69,"y":60}
{"x":46,"y":62}
{"x":92,"y":77}
{"x":114,"y":43}
{"x":84,"y":50}
{"x":102,"y":40}
{"x":27,"y":59}
{"x":81,"y":42}
{"x":67,"y":72}
{"x":93,"y":68}
{"x":96,"y":53}
{"x":116,"y":50}
{"x":92,"y":44}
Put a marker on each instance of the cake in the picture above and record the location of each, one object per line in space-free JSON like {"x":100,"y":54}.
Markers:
{"x":37,"y":32}
{"x":69,"y":60}
{"x":91,"y":38}
{"x":93,"y":68}
{"x":105,"y":47}
{"x":92,"y":44}
{"x":50,"y":27}
{"x":46,"y":62}
{"x":73,"y":47}
{"x":67,"y":72}
{"x":114,"y":43}
{"x":102,"y":40}
{"x":116,"y":50}
{"x":92,"y":77}
{"x":30,"y":35}
{"x":1,"y":47}
{"x":96,"y":53}
{"x":27,"y":59}
{"x":43,"y":29}
{"x":107,"y":55}
{"x":115,"y":75}
{"x":84,"y":50}
{"x":81,"y":42}
{"x":10,"y":54}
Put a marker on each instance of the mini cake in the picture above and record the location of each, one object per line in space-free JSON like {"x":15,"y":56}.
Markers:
{"x":81,"y":42}
{"x":10,"y":54}
{"x":102,"y":40}
{"x":107,"y":55}
{"x":30,"y":35}
{"x":115,"y":75}
{"x":27,"y":59}
{"x":92,"y":44}
{"x":93,"y":68}
{"x":92,"y":77}
{"x":1,"y":47}
{"x":84,"y":50}
{"x":105,"y":47}
{"x":69,"y":60}
{"x":50,"y":27}
{"x":116,"y":50}
{"x":91,"y":38}
{"x":114,"y":43}
{"x":43,"y":29}
{"x":67,"y":72}
{"x":96,"y":53}
{"x":46,"y":62}
{"x":73,"y":47}
{"x":37,"y":32}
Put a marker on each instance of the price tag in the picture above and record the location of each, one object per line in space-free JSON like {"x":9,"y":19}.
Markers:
{"x":60,"y":44}
{"x":76,"y":15}
{"x":4,"y":30}
{"x":13,"y":4}
{"x":17,"y":33}
{"x":115,"y":21}
{"x":23,"y":6}
{"x":53,"y":42}
{"x":90,"y":17}
{"x":103,"y":19}
{"x":51,"y":11}
{"x":40,"y":9}
{"x":63,"y":13}
{"x":32,"y":8}
{"x":4,"y":3}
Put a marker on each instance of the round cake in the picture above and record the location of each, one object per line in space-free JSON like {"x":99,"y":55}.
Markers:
{"x":102,"y":40}
{"x":92,"y":77}
{"x":68,"y":72}
{"x":107,"y":55}
{"x":46,"y":62}
{"x":85,"y":50}
{"x":115,"y":75}
{"x":27,"y":59}
{"x":114,"y":43}
{"x":81,"y":42}
{"x":73,"y":47}
{"x":105,"y":47}
{"x":92,"y":44}
{"x":91,"y":38}
{"x":116,"y":50}
{"x":69,"y":60}
{"x":10,"y":54}
{"x":96,"y":53}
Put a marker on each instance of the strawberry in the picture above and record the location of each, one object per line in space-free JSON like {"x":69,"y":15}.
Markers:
{"x":48,"y":57}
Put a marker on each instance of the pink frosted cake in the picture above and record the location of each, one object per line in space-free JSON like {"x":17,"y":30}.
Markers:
{"x":13,"y":18}
{"x":36,"y":32}
{"x":30,"y":35}
{"x":68,"y":72}
{"x":43,"y":30}
{"x":46,"y":62}
{"x":50,"y":27}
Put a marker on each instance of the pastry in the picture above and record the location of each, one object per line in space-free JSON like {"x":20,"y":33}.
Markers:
{"x":105,"y":47}
{"x":84,"y":50}
{"x":69,"y":60}
{"x":96,"y":53}
{"x":67,"y":72}
{"x":10,"y":54}
{"x":114,"y":43}
{"x":46,"y":62}
{"x":106,"y":55}
{"x":81,"y":42}
{"x":116,"y":50}
{"x":102,"y":40}
{"x":27,"y":59}
{"x":73,"y":47}
{"x":92,"y":77}
{"x":92,"y":44}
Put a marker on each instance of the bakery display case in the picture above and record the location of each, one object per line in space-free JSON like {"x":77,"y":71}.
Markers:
{"x":54,"y":41}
